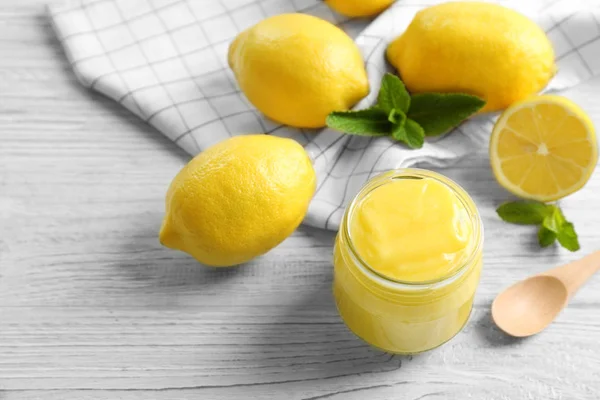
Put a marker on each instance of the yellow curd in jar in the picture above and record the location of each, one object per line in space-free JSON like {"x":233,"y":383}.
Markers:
{"x":407,"y":261}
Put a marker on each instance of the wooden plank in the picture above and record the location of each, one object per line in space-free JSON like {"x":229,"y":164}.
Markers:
{"x":229,"y":351}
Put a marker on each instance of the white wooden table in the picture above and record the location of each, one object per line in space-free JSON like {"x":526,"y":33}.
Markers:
{"x":92,"y":307}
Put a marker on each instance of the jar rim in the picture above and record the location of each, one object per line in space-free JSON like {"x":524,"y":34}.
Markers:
{"x":415,"y":173}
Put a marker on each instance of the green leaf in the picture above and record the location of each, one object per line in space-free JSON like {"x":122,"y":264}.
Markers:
{"x":393,"y":94}
{"x":399,"y":133}
{"x":437,"y":113}
{"x":567,"y":237}
{"x":545,"y":236}
{"x":560,"y":217}
{"x":397,"y":117}
{"x":563,"y":229}
{"x":369,"y":122}
{"x":524,"y":212}
{"x":411,"y":134}
{"x":554,"y":220}
{"x":415,"y":134}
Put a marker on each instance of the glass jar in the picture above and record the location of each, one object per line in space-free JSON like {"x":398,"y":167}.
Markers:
{"x":405,"y":317}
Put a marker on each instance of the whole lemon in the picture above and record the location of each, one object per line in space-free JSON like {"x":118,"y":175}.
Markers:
{"x":478,"y":48}
{"x":296,"y":69}
{"x":359,"y":8}
{"x":238,"y":199}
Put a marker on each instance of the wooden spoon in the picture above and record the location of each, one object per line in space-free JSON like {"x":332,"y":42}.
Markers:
{"x":529,"y":306}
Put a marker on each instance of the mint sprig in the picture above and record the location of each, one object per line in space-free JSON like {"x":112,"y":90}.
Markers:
{"x":407,"y":119}
{"x":552,"y":223}
{"x":411,"y":133}
{"x":369,"y":122}
{"x":439,"y":112}
{"x":393,"y":95}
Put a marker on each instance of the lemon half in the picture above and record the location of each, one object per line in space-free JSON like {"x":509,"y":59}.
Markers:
{"x":543,"y":148}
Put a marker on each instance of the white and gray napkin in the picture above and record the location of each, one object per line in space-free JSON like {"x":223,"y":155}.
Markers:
{"x":166,"y":61}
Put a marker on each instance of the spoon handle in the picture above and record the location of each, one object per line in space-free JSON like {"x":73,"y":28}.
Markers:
{"x":576,"y":273}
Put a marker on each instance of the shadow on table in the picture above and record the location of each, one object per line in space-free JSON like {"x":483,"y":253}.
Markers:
{"x":156,"y":269}
{"x":308,"y":341}
{"x":290,"y":329}
{"x":487,"y":330}
{"x":161,"y":268}
{"x":162,"y":271}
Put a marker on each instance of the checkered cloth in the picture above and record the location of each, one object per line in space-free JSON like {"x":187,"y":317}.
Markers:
{"x":166,"y":61}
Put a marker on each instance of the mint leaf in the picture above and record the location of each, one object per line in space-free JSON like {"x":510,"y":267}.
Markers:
{"x":562,"y":229}
{"x":369,"y":122}
{"x":411,"y":134}
{"x":393,"y":94}
{"x":560,"y":218}
{"x":414,"y":133}
{"x":397,"y":117}
{"x":567,"y":237}
{"x":545,"y":236}
{"x":430,"y":114}
{"x":437,"y":113}
{"x":399,"y":133}
{"x":524,"y":212}
{"x":553,"y":221}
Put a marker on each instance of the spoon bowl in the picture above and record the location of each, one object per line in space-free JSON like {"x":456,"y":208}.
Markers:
{"x":527,"y":307}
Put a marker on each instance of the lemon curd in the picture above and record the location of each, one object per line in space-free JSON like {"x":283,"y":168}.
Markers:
{"x":407,"y":261}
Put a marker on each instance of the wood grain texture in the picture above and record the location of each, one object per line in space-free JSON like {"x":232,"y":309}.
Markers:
{"x":92,"y":307}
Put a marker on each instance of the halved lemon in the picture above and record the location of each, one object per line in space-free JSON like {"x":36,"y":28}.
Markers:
{"x":543,"y":148}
